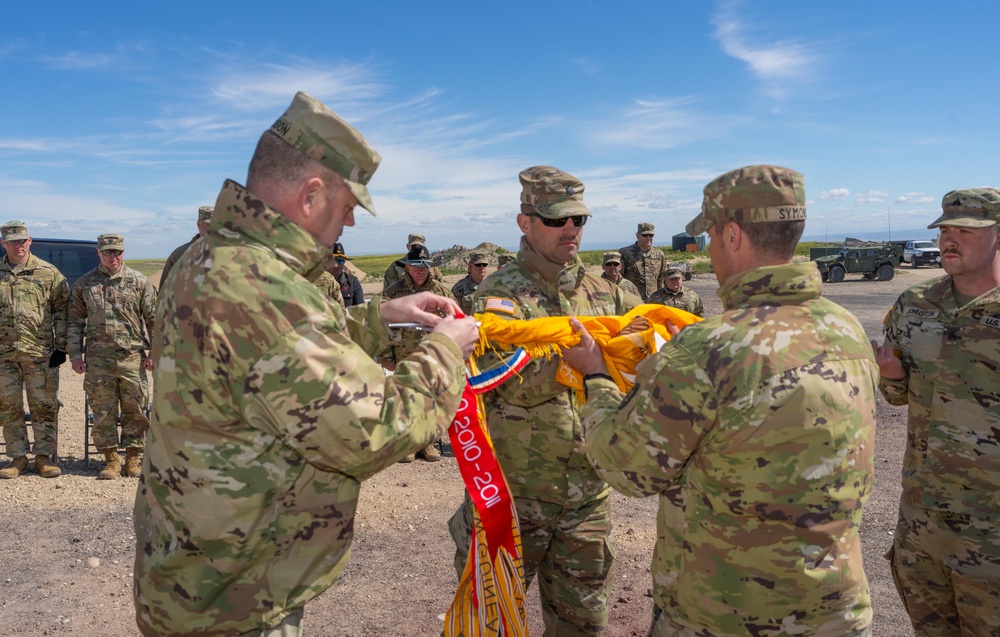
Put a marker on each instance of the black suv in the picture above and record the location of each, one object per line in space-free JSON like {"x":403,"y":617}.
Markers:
{"x":73,"y":257}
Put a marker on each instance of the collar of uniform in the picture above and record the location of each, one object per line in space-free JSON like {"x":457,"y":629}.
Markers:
{"x":564,"y":276}
{"x":30,"y":264}
{"x":107,"y":272}
{"x":941,"y":292}
{"x":241,"y":214}
{"x":776,"y":284}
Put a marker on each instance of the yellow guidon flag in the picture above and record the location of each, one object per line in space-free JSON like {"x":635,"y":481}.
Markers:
{"x":490,"y":597}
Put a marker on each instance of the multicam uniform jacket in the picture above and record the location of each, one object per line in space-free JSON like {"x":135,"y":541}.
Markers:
{"x":463,"y":291}
{"x":268,"y":413}
{"x":409,"y":339}
{"x":624,"y":284}
{"x":764,"y":416}
{"x":535,"y":423}
{"x":646,"y":270}
{"x":683,"y":299}
{"x":114,"y":313}
{"x":34,"y":299}
{"x":952,"y":460}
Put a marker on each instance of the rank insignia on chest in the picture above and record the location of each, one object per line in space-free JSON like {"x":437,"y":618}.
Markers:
{"x":496,"y":304}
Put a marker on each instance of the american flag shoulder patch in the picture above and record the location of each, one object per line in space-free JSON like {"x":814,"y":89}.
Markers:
{"x":497,"y":304}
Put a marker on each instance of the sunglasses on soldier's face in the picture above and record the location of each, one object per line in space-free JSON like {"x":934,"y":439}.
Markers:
{"x":340,"y":261}
{"x":578,"y":220}
{"x":648,"y":235}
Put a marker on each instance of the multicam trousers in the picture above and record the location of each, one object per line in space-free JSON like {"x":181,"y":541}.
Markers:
{"x":947,"y":570}
{"x":571,"y":551}
{"x":113,"y":385}
{"x":41,"y":384}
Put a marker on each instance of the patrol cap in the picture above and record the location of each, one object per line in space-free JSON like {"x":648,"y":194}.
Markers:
{"x":318,"y":132}
{"x":418,"y":257}
{"x":205,"y":213}
{"x":612,"y":257}
{"x":645,"y":227}
{"x":753,"y":194}
{"x":504,"y":259}
{"x":478,"y":258}
{"x":552,"y":193}
{"x":338,"y":251}
{"x":674,"y":273}
{"x":14,"y":231}
{"x":416,"y":239}
{"x":107,"y":242}
{"x":969,"y":208}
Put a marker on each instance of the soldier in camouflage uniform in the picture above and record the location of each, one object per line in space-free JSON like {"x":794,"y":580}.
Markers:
{"x":676,"y":295}
{"x":504,"y":259}
{"x":940,"y":357}
{"x":756,"y":428}
{"x":562,"y":504}
{"x":397,"y":268}
{"x":33,"y":301}
{"x":642,"y":264}
{"x":466,"y":288}
{"x":111,"y":311}
{"x":416,"y":279}
{"x":268,"y":408}
{"x":612,"y":265}
{"x":204,"y":219}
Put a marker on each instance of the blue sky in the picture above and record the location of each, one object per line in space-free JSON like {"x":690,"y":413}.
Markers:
{"x":126,"y":117}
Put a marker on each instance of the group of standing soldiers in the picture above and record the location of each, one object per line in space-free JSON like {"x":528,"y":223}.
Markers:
{"x":103,"y":325}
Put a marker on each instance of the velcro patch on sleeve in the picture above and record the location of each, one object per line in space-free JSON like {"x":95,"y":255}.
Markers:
{"x":497,"y":304}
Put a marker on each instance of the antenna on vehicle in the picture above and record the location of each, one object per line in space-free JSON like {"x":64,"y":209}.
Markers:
{"x":888,"y":219}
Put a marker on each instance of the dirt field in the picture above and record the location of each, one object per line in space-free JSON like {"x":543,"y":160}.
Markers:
{"x":67,"y":545}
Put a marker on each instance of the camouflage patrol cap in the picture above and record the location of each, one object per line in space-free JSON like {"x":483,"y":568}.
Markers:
{"x":613,"y":257}
{"x":753,"y":194}
{"x":478,"y":258}
{"x":418,"y":257}
{"x":552,"y":193}
{"x":674,"y":273}
{"x":107,"y":242}
{"x":416,"y":240}
{"x":504,"y":259}
{"x":645,"y":227}
{"x":14,"y":231}
{"x":969,"y":208}
{"x":205,"y":213}
{"x":318,"y":132}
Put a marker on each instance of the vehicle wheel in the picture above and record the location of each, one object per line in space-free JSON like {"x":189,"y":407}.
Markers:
{"x":687,"y":276}
{"x":886,"y":272}
{"x":913,"y":264}
{"x":836,"y":273}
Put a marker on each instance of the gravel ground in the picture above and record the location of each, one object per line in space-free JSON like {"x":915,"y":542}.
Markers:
{"x":67,"y":545}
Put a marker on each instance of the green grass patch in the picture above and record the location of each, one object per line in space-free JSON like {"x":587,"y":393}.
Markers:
{"x":146,"y":266}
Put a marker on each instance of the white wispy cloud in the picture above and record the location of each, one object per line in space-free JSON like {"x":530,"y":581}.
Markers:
{"x":273,"y":85}
{"x":661,"y":123}
{"x":872,"y":196}
{"x":914,"y":198}
{"x":835,"y":193}
{"x":81,"y":61}
{"x":775,"y":61}
{"x":586,"y":65}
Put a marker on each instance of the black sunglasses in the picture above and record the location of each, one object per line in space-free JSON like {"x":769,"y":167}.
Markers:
{"x":647,"y":234}
{"x":578,"y":220}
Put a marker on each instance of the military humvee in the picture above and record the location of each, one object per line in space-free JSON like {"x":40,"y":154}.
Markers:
{"x":683,"y":267}
{"x":872,"y":261}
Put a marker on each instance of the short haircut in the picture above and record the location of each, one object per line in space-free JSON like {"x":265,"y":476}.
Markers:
{"x":772,"y":240}
{"x":275,"y":160}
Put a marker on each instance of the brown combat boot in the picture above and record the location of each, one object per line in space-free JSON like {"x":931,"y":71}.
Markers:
{"x":113,"y":467}
{"x":430,"y":453}
{"x":133,"y":462}
{"x":410,"y":457}
{"x":45,"y":468}
{"x":15,"y":467}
